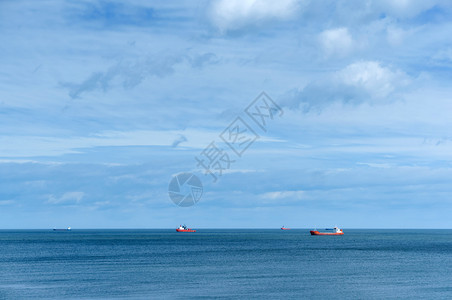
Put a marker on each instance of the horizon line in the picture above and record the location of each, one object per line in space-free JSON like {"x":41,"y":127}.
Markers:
{"x":223,"y":228}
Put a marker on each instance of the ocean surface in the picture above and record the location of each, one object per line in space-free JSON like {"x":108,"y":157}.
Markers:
{"x":246,"y":264}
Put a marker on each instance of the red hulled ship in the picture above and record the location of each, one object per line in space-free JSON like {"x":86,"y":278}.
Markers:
{"x":336,"y":231}
{"x":183,"y":228}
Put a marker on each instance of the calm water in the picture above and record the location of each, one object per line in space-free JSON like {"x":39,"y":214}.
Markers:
{"x":143,"y":264}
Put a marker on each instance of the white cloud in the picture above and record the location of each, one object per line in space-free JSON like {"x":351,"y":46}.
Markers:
{"x":234,"y":14}
{"x":6,"y":202}
{"x":69,"y":197}
{"x":396,"y":35}
{"x":444,"y":55}
{"x":28,"y":161}
{"x":31,"y":146}
{"x":28,"y":146}
{"x":235,"y":171}
{"x":404,"y":8}
{"x":283,"y":195}
{"x":336,"y":41}
{"x":371,"y":76}
{"x":359,"y":82}
{"x":376,"y":165}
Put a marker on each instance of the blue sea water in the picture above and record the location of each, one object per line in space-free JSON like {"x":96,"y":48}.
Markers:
{"x":263,"y":264}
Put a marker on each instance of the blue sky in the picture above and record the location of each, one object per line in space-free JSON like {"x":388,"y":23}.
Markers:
{"x":102,"y":102}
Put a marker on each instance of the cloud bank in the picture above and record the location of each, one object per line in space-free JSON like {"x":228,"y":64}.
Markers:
{"x":102,"y":102}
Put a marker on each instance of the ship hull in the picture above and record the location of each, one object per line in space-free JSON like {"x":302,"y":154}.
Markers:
{"x":185,"y":230}
{"x":315,"y":232}
{"x":285,"y":228}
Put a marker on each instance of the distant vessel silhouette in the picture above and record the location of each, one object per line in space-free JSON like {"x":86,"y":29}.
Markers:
{"x":62,"y":229}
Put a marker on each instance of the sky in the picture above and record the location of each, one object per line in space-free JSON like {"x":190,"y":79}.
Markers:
{"x":102,"y":103}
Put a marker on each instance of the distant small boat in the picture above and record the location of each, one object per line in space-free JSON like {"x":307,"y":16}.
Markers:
{"x":285,"y":228}
{"x":336,"y":231}
{"x":183,"y":228}
{"x":62,"y":229}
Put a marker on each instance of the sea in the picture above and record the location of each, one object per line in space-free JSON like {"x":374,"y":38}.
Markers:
{"x":225,"y":264}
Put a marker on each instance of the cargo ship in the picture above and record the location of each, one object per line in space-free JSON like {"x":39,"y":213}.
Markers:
{"x":183,"y":228}
{"x":285,"y":228}
{"x":336,"y":231}
{"x":62,"y":229}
